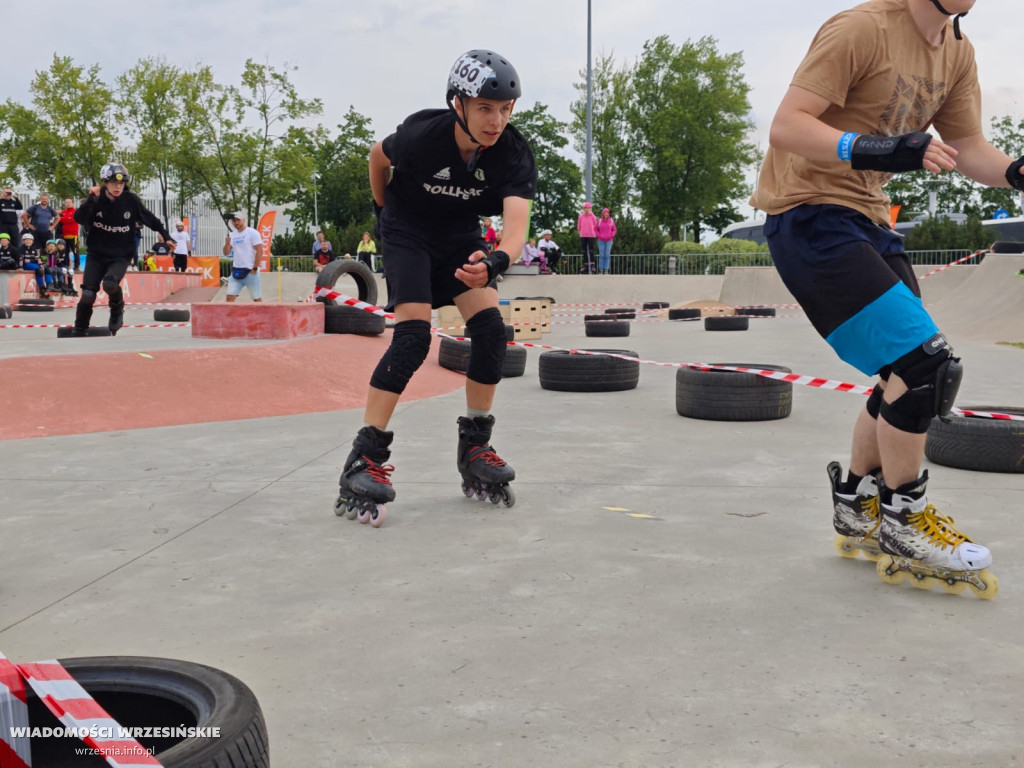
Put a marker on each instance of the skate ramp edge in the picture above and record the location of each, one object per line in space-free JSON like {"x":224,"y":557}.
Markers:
{"x":745,"y":286}
{"x":988,"y":305}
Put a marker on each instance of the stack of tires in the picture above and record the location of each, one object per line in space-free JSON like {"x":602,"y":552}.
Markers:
{"x":343,"y":318}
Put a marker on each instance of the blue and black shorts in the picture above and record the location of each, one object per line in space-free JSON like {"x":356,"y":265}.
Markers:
{"x":854,"y":281}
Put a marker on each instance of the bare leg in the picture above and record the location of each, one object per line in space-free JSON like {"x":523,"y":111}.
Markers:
{"x":381,"y":404}
{"x":864,"y":455}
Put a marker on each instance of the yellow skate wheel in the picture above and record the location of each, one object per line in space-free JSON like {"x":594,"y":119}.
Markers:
{"x":922,"y":580}
{"x":954,"y":586}
{"x":991,"y":585}
{"x":887,"y":570}
{"x":843,"y":546}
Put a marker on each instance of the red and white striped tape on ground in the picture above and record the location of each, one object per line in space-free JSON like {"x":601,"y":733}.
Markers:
{"x":15,"y":750}
{"x":953,"y":264}
{"x":75,"y":708}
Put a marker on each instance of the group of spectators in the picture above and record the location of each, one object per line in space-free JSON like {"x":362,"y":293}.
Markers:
{"x":366,"y":250}
{"x":40,"y":240}
{"x":595,"y":233}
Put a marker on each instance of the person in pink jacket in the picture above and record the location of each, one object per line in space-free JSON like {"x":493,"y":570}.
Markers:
{"x":605,"y":235}
{"x":586,"y":225}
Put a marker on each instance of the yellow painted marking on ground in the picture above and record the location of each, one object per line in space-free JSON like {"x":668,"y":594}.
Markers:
{"x":641,"y":516}
{"x":616,"y":509}
{"x":143,"y":354}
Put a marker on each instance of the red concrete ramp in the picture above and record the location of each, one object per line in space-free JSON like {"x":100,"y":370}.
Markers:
{"x":132,"y":390}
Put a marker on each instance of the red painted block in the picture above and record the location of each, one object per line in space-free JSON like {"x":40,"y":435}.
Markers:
{"x":253,"y":320}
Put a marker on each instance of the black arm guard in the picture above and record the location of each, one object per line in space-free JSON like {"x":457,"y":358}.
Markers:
{"x":891,"y":154}
{"x":1014,"y":175}
{"x":497,"y":263}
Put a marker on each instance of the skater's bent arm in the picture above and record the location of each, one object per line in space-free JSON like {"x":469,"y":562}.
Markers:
{"x":380,"y":173}
{"x":980,"y":161}
{"x":797,"y":128}
{"x":515,"y":215}
{"x":150,"y":219}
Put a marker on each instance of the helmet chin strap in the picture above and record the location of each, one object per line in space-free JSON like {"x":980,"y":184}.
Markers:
{"x":956,"y":21}
{"x":471,"y":165}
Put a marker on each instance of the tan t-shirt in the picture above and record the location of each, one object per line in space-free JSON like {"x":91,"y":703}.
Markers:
{"x":881,"y":76}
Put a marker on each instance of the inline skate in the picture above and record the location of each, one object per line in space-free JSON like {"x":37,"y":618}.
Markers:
{"x":365,"y":483}
{"x":484,"y":474}
{"x":856,"y":517}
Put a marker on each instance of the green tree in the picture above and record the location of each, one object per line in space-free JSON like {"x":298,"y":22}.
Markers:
{"x":150,"y":100}
{"x":689,"y":118}
{"x":242,"y":144}
{"x":338,"y":195}
{"x":558,"y":178}
{"x":62,"y":140}
{"x":612,"y":156}
{"x":944,"y":234}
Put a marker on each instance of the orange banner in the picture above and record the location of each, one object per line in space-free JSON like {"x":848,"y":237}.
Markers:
{"x":207,"y":267}
{"x":894,"y":213}
{"x":266,"y":230}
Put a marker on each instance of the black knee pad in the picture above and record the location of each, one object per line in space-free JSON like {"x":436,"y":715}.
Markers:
{"x":932,"y":375}
{"x":88,"y":298}
{"x":486,"y":329}
{"x":875,"y":401}
{"x":112,"y":288}
{"x":410,"y":343}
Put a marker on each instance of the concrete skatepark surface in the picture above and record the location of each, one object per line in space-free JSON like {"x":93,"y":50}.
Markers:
{"x":664,"y":593}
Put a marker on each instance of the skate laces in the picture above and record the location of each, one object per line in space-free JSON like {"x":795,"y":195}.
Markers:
{"x":486,"y":454}
{"x":871,"y":507}
{"x":938,"y":528}
{"x":379,"y":472}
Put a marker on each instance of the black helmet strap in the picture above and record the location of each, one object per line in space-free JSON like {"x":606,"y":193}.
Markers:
{"x":458,"y":118}
{"x":956,"y":21}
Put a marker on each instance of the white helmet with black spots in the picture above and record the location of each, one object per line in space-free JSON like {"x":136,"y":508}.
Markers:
{"x":114,"y":172}
{"x":481,"y":74}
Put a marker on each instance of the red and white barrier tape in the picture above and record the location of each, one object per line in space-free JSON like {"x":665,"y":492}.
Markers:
{"x":76,"y":709}
{"x":794,"y":378}
{"x":953,"y":264}
{"x":15,"y":746}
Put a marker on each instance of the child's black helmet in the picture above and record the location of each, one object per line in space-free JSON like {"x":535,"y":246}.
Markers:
{"x":483,"y":74}
{"x":114,"y":172}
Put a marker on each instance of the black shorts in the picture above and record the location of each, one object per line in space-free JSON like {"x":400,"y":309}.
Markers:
{"x":99,"y":267}
{"x":420,"y":267}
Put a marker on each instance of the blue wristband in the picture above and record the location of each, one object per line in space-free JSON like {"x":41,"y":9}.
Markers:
{"x":845,"y":148}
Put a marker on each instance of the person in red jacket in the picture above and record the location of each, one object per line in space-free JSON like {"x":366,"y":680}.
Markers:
{"x":67,"y":229}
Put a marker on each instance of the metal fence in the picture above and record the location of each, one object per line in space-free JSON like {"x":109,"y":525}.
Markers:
{"x":664,"y":263}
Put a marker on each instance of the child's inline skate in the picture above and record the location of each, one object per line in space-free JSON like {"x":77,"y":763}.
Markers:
{"x":917,"y":541}
{"x":857,"y":517}
{"x":484,"y":474}
{"x":365,"y":483}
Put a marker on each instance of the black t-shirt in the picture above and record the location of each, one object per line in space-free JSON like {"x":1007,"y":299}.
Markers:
{"x":431,"y":188}
{"x":113,"y":223}
{"x":9,"y":207}
{"x":161,"y":249}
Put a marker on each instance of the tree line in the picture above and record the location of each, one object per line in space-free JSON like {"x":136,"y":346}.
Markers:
{"x":671,"y":144}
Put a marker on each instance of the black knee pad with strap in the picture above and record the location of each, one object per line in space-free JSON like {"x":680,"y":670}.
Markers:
{"x":410,"y":343}
{"x":486,"y":329}
{"x":88,"y":298}
{"x":875,"y":401}
{"x":112,"y":287}
{"x":932,"y":375}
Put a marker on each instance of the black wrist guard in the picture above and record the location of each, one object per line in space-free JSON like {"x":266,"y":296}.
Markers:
{"x":892,"y":154}
{"x":497,"y":263}
{"x":1014,"y":175}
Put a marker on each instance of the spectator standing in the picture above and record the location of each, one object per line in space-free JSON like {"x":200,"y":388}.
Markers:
{"x":42,"y":219}
{"x":366,"y":249}
{"x":246,"y":245}
{"x":9,"y":207}
{"x":490,"y":235}
{"x":550,"y":250}
{"x":182,"y":246}
{"x":323,"y":251}
{"x":67,"y":229}
{"x":113,"y":215}
{"x":10,"y":257}
{"x":586,"y":225}
{"x":605,"y":235}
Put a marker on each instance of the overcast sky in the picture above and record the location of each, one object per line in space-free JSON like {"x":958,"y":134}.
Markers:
{"x":389,"y":58}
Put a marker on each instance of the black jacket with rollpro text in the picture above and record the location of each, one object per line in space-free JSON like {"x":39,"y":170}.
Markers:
{"x":112,"y":223}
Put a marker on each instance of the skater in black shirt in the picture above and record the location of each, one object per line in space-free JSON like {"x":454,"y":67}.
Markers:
{"x":112,"y":214}
{"x":432,"y":180}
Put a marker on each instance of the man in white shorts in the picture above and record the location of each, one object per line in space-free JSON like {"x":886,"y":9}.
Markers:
{"x":247,"y":246}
